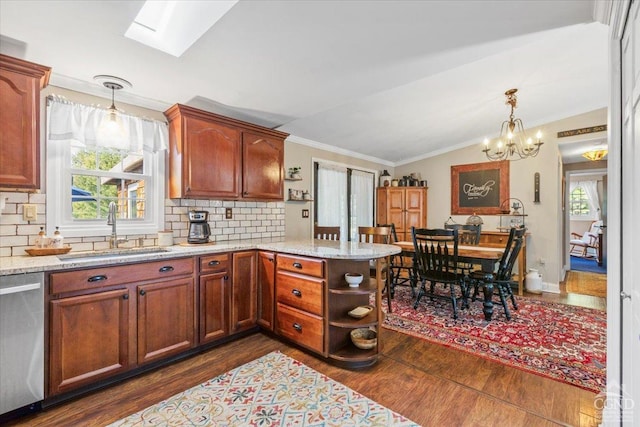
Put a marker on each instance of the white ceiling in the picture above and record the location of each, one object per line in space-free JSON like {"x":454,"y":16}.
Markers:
{"x":391,"y":80}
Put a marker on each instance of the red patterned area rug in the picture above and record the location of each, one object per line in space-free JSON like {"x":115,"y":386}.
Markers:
{"x":274,"y":390}
{"x":558,"y":341}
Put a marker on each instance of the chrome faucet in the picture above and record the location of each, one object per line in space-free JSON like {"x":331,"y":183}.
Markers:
{"x":111,"y":220}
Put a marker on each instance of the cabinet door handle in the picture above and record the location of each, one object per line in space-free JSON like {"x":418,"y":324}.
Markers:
{"x":297,"y":265}
{"x":214,"y":263}
{"x":165,"y":269}
{"x":245,"y":193}
{"x":125,"y":296}
{"x":297,"y":327}
{"x":97,"y":278}
{"x":297,"y":293}
{"x":142,"y":292}
{"x":226,"y":277}
{"x":270,"y":259}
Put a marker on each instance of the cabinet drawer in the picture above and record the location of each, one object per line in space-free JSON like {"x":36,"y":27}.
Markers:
{"x":109,"y":275}
{"x":299,"y":291}
{"x":309,"y":266}
{"x":300,"y":327}
{"x":214,"y":263}
{"x":494,"y":239}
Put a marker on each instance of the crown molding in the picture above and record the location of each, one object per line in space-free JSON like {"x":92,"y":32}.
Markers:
{"x":314,"y":144}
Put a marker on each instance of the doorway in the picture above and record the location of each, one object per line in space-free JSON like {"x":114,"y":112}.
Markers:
{"x":585,"y":231}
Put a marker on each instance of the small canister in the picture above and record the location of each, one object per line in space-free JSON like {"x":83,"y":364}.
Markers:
{"x":165,"y":238}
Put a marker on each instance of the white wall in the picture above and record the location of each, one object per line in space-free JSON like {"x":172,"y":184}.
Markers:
{"x":300,"y":154}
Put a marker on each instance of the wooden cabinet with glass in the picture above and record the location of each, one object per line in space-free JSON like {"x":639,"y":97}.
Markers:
{"x":20,"y":85}
{"x":405,"y":207}
{"x":216,"y":157}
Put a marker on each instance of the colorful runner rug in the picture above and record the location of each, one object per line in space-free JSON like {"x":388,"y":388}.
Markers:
{"x":562,"y":342}
{"x":274,"y":390}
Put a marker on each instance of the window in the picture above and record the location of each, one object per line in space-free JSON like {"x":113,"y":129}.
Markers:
{"x":579,"y":204}
{"x":85,"y":176}
{"x":344,"y":197}
{"x":584,"y":201}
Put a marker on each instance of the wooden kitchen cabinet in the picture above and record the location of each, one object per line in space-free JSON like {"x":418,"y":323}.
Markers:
{"x":165,"y":319}
{"x":214,"y":295}
{"x":313,"y":300}
{"x":244,"y":298}
{"x":262,"y":168}
{"x":88,"y":339}
{"x":266,"y":289}
{"x":405,"y":207}
{"x":300,"y":287}
{"x":108,"y":320}
{"x":20,"y":85}
{"x":216,"y":157}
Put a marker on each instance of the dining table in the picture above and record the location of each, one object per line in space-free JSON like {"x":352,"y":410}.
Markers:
{"x":484,"y":256}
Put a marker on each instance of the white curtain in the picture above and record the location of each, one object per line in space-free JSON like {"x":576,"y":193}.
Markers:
{"x":86,"y":124}
{"x":361,"y":201}
{"x":332,"y":196}
{"x":591,"y":188}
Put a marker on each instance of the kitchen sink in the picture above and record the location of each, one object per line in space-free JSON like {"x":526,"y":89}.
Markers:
{"x":109,"y":253}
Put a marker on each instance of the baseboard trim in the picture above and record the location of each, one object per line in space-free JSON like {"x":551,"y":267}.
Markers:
{"x":551,"y":288}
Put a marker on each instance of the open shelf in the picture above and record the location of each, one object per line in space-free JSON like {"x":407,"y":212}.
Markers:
{"x":364,"y":288}
{"x":349,"y":322}
{"x":353,"y":357}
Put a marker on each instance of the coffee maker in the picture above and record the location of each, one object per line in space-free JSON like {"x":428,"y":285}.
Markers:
{"x":199,"y":230}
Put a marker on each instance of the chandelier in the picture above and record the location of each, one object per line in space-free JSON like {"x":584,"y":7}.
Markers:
{"x":512,"y":142}
{"x":595,"y":154}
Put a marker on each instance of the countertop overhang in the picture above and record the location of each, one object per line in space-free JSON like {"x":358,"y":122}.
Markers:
{"x":310,"y":247}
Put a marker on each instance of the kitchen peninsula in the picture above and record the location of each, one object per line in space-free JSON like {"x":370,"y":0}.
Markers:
{"x":154,"y":308}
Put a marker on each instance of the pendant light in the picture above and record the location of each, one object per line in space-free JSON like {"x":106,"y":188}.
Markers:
{"x":111,"y":126}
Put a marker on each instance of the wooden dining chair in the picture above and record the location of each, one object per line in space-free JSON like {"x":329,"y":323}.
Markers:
{"x":379,"y":235}
{"x":326,"y":232}
{"x":436,"y":258}
{"x":502,"y":278}
{"x":468,"y":234}
{"x":400,"y":267}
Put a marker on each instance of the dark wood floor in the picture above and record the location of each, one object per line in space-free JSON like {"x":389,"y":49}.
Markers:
{"x":430,"y":384}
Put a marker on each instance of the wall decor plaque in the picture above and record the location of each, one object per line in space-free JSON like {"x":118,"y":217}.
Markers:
{"x":479,"y":188}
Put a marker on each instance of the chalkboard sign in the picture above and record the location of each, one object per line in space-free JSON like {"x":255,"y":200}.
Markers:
{"x":479,"y":188}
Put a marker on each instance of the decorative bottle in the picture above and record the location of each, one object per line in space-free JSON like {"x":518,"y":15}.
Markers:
{"x":41,"y":240}
{"x":57,"y":239}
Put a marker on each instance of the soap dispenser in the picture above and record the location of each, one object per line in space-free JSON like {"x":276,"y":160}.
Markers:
{"x":41,"y":240}
{"x":57,"y":239}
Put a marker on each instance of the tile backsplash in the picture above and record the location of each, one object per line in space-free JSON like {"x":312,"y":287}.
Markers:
{"x":249,"y":220}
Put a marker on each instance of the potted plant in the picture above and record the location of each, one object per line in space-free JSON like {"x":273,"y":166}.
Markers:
{"x":294,"y":172}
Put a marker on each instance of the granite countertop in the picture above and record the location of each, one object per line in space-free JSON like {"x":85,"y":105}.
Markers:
{"x":313,"y":248}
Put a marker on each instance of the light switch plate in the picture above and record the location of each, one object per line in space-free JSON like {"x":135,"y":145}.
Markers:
{"x":29,"y":212}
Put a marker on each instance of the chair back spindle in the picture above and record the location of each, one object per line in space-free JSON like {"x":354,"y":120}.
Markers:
{"x":326,"y":233}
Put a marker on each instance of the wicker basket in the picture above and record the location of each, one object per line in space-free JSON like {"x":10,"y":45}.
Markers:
{"x":364,"y":338}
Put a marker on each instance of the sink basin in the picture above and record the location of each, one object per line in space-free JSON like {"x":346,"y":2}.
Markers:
{"x":110,"y":253}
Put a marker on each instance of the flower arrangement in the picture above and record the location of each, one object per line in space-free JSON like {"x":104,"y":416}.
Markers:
{"x":294,"y":172}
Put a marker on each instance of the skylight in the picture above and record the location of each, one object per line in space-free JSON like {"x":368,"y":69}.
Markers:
{"x":173,"y":26}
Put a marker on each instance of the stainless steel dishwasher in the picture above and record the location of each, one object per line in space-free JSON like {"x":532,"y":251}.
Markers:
{"x":21,"y":341}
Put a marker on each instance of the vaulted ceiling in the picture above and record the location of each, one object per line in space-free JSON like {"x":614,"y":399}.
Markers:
{"x":391,"y":80}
